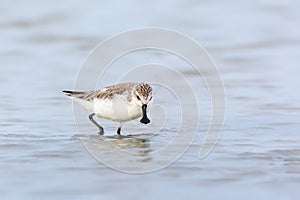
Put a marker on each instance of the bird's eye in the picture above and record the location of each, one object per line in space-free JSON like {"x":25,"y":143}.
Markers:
{"x":138,"y":97}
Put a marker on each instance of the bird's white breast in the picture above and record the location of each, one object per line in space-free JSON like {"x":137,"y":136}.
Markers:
{"x":117,"y":109}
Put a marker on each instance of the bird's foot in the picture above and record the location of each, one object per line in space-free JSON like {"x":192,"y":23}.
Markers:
{"x":101,"y":131}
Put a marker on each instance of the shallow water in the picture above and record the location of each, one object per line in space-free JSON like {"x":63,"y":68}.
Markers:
{"x":256,"y":46}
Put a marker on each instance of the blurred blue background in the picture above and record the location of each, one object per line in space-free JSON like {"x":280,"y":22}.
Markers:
{"x":255,"y":44}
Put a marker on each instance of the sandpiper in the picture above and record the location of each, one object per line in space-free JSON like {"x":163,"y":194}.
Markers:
{"x":121,"y":102}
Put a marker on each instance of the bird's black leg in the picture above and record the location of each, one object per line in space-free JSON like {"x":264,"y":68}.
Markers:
{"x":119,"y":131}
{"x":101,"y":130}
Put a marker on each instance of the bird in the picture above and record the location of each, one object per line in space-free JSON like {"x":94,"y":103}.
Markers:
{"x":121,"y":102}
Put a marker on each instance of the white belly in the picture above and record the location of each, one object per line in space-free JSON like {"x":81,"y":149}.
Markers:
{"x":117,"y":109}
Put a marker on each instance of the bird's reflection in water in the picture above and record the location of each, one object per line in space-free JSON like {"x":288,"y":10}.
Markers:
{"x":133,"y":147}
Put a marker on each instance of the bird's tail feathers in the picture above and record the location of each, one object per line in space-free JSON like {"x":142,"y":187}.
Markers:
{"x":74,"y":93}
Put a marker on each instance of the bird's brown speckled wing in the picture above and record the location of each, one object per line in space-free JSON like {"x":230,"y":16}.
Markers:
{"x":106,"y":93}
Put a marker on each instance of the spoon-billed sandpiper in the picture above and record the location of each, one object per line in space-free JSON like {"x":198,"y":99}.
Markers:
{"x":121,"y":102}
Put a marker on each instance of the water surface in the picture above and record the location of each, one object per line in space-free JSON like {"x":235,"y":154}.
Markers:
{"x":256,"y":46}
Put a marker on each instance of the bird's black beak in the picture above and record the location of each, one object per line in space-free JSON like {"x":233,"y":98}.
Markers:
{"x":144,"y":119}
